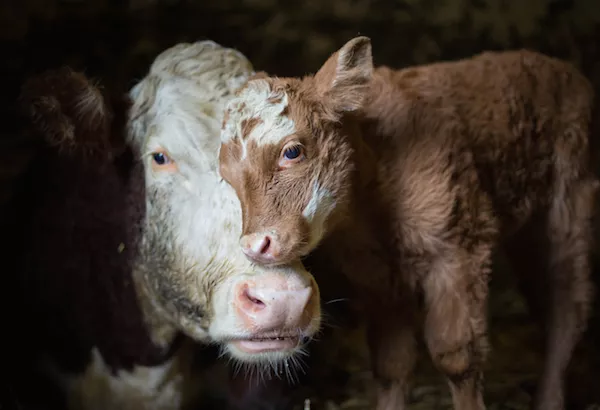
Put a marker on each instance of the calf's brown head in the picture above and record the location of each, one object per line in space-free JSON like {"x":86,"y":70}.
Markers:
{"x":290,"y":154}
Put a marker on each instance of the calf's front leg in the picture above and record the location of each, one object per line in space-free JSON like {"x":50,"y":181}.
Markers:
{"x":391,"y":340}
{"x":455,"y":326}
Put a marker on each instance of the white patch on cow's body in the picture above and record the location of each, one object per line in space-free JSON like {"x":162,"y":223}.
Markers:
{"x":160,"y":387}
{"x":317,"y":210}
{"x":257,"y":100}
{"x":179,"y":107}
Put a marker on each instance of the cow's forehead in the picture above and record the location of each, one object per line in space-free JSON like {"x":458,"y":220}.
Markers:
{"x":258,"y":113}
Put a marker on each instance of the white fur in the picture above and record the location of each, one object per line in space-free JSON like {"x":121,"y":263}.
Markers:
{"x":273,"y":127}
{"x":179,"y":106}
{"x":317,"y":210}
{"x":143,"y":388}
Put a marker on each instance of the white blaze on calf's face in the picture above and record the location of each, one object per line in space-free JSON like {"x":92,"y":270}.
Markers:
{"x":267,"y":106}
{"x":197,"y":274}
{"x":320,"y":206}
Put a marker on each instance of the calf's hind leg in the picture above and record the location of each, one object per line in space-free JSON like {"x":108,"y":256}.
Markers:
{"x":455,"y":292}
{"x":571,"y":288}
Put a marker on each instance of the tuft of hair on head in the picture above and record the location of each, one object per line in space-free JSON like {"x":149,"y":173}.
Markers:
{"x":201,"y":74}
{"x":343,"y":80}
{"x":72,"y":114}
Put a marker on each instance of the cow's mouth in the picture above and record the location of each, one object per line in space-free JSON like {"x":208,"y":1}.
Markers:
{"x":265,"y":344}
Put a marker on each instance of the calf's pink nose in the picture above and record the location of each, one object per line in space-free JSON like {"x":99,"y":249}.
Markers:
{"x":271,"y":305}
{"x":260,"y":247}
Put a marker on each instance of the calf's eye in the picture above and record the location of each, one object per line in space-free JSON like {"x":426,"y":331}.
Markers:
{"x":292,"y":152}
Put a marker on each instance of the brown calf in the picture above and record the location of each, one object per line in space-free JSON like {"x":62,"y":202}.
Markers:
{"x":408,"y":179}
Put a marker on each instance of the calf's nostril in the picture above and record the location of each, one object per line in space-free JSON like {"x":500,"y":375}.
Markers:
{"x":258,"y":244}
{"x":266,"y":244}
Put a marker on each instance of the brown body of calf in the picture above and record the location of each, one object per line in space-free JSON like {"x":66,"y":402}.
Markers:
{"x":408,"y":180}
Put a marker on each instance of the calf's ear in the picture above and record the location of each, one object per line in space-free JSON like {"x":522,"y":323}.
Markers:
{"x":71,"y":113}
{"x":343,"y":80}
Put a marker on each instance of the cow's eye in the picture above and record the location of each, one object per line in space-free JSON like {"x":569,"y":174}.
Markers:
{"x":160,"y":158}
{"x":162,"y":162}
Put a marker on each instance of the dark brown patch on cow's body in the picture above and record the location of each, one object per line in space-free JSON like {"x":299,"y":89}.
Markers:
{"x":82,"y":283}
{"x":79,"y":213}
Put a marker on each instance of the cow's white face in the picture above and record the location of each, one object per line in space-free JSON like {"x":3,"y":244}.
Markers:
{"x":191,"y":264}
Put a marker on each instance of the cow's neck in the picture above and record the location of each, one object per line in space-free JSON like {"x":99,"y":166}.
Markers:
{"x":160,"y":330}
{"x":159,"y":335}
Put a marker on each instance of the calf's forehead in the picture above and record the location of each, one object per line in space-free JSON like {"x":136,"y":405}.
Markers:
{"x":259,"y":114}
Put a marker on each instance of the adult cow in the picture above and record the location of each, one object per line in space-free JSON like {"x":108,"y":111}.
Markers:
{"x":131,"y":238}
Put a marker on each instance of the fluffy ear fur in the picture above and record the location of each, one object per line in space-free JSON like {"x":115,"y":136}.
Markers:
{"x":73,"y":115}
{"x":344,"y":77}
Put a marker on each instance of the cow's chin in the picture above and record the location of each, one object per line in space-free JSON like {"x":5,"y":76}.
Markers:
{"x":266,"y":349}
{"x":272,"y":347}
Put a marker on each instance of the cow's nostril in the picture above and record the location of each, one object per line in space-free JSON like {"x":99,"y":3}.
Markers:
{"x":253,"y":298}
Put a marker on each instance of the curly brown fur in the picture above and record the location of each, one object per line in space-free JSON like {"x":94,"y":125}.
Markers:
{"x":72,"y":113}
{"x":430,"y":169}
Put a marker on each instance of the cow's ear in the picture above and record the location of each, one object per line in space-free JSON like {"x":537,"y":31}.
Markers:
{"x":71,"y":112}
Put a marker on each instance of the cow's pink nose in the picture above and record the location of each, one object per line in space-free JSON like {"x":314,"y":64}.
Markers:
{"x":271,"y":304}
{"x":260,"y":247}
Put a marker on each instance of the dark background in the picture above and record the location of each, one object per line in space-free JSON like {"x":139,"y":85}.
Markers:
{"x":115,"y":42}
